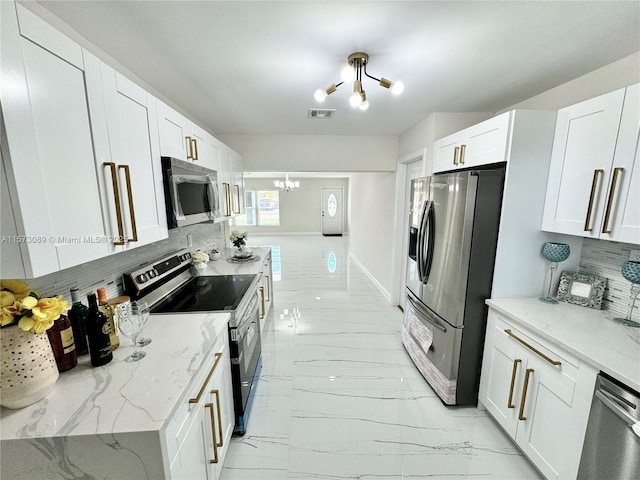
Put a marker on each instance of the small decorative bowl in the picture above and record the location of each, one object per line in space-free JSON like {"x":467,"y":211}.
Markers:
{"x":214,"y":255}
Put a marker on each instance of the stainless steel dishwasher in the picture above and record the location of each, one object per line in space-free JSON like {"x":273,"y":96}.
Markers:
{"x":611,"y":447}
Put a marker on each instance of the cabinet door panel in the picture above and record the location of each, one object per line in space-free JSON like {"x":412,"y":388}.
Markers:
{"x":444,"y":153}
{"x":582,"y":154}
{"x":624,"y":221}
{"x":130,"y":119}
{"x":61,"y":120}
{"x":173,"y":129}
{"x":192,"y":461}
{"x":486,"y":142}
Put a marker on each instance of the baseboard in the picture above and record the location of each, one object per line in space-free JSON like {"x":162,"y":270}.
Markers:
{"x":373,"y":279}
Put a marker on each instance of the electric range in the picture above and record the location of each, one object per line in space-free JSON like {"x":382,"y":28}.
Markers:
{"x":169,"y":286}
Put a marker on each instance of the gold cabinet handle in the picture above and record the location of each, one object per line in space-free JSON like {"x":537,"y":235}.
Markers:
{"x":227,"y":198}
{"x":524,"y":393}
{"x":132,"y":213}
{"x":513,"y":382}
{"x":217,"y":394}
{"x":189,"y":147}
{"x":594,"y":185}
{"x":533,"y":349}
{"x":213,"y":432}
{"x":262,"y":300}
{"x":455,"y":155}
{"x":268,"y":289}
{"x":607,"y":215}
{"x":462,"y":150}
{"x":196,"y":399}
{"x":237,"y":187}
{"x":116,"y":194}
{"x":194,"y":149}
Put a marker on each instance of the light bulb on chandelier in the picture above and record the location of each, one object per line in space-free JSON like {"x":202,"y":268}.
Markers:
{"x":286,"y":185}
{"x":357,"y":65}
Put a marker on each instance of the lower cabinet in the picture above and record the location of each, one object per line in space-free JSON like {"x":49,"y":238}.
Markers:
{"x":198,"y":435}
{"x":539,"y":394}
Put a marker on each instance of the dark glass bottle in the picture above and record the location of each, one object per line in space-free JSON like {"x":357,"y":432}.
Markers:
{"x":78,"y":316}
{"x":61,"y":340}
{"x":98,"y":334}
{"x":104,"y":307}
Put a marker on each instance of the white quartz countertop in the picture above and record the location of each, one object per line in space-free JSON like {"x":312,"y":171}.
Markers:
{"x":224,"y":267}
{"x":121,"y":396}
{"x":589,"y":334}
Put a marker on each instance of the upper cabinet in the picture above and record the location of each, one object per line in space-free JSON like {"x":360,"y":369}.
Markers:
{"x":181,"y":138}
{"x":48,"y":161}
{"x":125,"y":132}
{"x":481,"y":144}
{"x":594,"y":184}
{"x":231,"y":179}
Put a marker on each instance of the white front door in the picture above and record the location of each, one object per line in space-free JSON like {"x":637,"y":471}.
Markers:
{"x":332,"y":210}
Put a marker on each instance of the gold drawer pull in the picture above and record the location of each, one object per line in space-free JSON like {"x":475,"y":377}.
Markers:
{"x":262,"y":300}
{"x":189,"y":147}
{"x":455,"y":155}
{"x":594,"y":185}
{"x":524,"y":394}
{"x":213,"y":432}
{"x":194,"y":145}
{"x":217,"y":394}
{"x":462,"y":150}
{"x":533,"y":349}
{"x":614,"y":182}
{"x":227,"y":195}
{"x":513,"y":382}
{"x":215,"y":364}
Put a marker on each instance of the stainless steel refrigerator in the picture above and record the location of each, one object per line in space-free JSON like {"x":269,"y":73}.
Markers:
{"x":453,"y":233}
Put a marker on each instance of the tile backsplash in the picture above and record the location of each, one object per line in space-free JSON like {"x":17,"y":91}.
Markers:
{"x":605,"y":259}
{"x":107,"y":272}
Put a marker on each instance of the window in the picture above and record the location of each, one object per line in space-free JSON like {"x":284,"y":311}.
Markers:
{"x":262,"y":209}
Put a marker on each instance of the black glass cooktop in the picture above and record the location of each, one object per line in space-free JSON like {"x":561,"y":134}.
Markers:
{"x":206,"y":294}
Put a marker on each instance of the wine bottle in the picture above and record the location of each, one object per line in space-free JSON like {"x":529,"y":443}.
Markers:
{"x":105,"y":308}
{"x":78,"y":316}
{"x":61,"y":340}
{"x":98,"y":334}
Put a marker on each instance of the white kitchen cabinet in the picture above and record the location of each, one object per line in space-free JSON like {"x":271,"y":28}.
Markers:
{"x":594,"y":184}
{"x":198,"y":435}
{"x":265,"y":289}
{"x":539,"y":394}
{"x":181,"y":138}
{"x":237,"y":175}
{"x":231,"y":179}
{"x":125,"y":132}
{"x":47,"y":152}
{"x":481,"y":144}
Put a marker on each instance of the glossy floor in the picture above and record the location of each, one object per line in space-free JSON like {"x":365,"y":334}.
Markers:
{"x":339,"y":397}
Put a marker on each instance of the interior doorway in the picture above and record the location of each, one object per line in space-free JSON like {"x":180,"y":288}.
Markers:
{"x":332,"y":210}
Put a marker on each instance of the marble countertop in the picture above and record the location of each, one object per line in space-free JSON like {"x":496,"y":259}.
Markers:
{"x":589,"y":334}
{"x":223,"y":267}
{"x":121,"y":396}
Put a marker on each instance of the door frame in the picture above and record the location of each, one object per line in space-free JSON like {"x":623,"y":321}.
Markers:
{"x":400,"y":248}
{"x":322,"y":210}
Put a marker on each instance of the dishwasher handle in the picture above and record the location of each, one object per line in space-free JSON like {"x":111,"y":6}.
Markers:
{"x":610,"y":401}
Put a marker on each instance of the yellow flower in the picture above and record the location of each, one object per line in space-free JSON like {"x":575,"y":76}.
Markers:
{"x":43,"y":313}
{"x":6,"y":298}
{"x":31,"y":324}
{"x":19,"y":288}
{"x":6,"y":317}
{"x":29,"y":302}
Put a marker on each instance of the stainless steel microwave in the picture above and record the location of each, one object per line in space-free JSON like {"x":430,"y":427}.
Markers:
{"x":190,"y":192}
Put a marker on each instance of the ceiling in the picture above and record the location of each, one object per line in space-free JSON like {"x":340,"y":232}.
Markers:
{"x":244,"y":67}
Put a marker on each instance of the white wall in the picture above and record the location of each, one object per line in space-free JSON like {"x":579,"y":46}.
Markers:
{"x":371,"y":225}
{"x":315,"y":153}
{"x":300,"y":211}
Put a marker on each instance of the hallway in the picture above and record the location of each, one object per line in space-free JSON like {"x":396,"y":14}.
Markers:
{"x":339,"y":398}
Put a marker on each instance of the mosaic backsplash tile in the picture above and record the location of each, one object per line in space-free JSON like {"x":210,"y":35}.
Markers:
{"x":107,"y":272}
{"x":605,"y":259}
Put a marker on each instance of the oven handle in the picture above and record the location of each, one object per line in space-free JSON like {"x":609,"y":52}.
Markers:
{"x":250,"y":313}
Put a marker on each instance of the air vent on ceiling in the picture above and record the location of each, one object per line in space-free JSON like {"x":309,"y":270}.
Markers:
{"x":321,"y":113}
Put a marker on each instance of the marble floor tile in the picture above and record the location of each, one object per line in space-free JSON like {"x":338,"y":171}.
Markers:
{"x":338,"y":396}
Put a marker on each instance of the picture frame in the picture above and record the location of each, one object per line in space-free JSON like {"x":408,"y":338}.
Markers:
{"x":581,"y":289}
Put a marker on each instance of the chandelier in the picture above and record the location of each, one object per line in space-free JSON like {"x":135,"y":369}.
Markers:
{"x":357,"y":65}
{"x":287,"y":185}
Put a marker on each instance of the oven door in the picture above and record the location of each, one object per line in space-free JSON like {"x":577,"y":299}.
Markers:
{"x":245,"y":346}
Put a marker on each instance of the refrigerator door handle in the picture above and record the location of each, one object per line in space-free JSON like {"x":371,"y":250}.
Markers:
{"x":420,"y":240}
{"x":430,"y":225}
{"x":425,"y":316}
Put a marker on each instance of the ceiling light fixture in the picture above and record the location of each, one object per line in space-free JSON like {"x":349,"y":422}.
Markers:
{"x":287,"y":185}
{"x":357,"y":65}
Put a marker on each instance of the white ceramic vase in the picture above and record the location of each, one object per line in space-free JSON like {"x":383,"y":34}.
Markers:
{"x":28,"y":372}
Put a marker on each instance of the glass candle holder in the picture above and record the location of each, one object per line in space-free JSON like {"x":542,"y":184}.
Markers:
{"x":555,"y":253}
{"x":631,"y":272}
